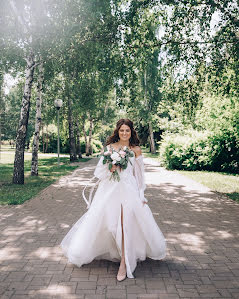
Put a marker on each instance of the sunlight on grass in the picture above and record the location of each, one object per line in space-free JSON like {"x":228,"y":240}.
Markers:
{"x":49,"y":171}
{"x":221,"y":182}
{"x":7,"y":158}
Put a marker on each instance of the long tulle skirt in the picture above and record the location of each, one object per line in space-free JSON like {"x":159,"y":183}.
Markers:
{"x":98,"y":233}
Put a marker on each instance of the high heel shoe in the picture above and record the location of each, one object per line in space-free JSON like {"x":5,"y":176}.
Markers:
{"x":120,"y":276}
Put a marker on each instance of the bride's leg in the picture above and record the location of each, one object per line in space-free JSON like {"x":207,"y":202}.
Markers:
{"x":122,"y":222}
{"x":122,"y":268}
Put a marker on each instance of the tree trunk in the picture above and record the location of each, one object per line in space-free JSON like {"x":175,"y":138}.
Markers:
{"x":47,"y":140}
{"x":18,"y":172}
{"x":151,"y":139}
{"x":35,"y":146}
{"x":90,"y":135}
{"x":73,"y":156}
{"x":86,"y":141}
{"x":78,"y":145}
{"x":1,"y":110}
{"x":0,"y":133}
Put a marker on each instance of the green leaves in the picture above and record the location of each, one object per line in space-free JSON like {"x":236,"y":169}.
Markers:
{"x":215,"y":151}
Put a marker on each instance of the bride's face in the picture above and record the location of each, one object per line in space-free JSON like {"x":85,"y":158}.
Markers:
{"x":124,"y":133}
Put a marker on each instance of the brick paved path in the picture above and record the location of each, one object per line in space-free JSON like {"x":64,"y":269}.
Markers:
{"x":201,"y":230}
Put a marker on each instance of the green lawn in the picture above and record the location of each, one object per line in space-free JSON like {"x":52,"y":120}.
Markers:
{"x":224,"y":183}
{"x":49,"y":171}
{"x":7,"y":147}
{"x":8,"y":157}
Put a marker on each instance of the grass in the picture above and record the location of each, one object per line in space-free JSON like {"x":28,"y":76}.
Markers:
{"x":224,"y":183}
{"x":8,"y":157}
{"x":49,"y":172}
{"x":7,"y":147}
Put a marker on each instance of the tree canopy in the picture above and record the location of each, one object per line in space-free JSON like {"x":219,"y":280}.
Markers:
{"x":160,"y":63}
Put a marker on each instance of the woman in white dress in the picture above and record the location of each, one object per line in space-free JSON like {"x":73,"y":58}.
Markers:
{"x":119,"y":225}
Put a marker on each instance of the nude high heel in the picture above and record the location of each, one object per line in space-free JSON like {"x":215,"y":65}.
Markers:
{"x":121,"y":277}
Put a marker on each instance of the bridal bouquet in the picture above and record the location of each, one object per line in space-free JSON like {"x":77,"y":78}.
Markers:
{"x":119,"y":158}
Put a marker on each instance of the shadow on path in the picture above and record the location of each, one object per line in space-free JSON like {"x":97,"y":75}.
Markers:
{"x":201,"y":230}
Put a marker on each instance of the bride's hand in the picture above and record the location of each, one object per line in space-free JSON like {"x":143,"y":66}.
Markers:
{"x":113,"y":169}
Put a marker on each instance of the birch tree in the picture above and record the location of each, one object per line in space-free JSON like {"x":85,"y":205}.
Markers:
{"x":38,"y":26}
{"x":72,"y":140}
{"x":35,"y":145}
{"x":18,"y":173}
{"x":1,"y":108}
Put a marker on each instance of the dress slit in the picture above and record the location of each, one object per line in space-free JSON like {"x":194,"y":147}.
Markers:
{"x":122,"y":231}
{"x":123,"y":234}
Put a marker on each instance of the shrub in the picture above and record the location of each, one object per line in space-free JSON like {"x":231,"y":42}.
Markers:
{"x":201,"y":151}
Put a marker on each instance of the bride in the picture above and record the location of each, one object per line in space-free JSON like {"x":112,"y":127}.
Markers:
{"x":119,"y":225}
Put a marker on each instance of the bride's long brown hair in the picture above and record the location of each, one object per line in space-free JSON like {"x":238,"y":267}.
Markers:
{"x":133,"y":141}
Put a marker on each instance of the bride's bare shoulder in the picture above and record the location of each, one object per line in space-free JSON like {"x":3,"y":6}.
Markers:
{"x":137,"y":150}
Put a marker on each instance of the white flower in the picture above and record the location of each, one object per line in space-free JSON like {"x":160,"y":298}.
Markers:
{"x":124,"y":148}
{"x":114,"y":161}
{"x":115,"y":156}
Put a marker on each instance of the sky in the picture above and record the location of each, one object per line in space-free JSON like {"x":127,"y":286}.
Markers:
{"x":9,"y":82}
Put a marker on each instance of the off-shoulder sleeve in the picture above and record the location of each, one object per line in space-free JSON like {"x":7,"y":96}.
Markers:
{"x":139,"y":176}
{"x":102,"y":170}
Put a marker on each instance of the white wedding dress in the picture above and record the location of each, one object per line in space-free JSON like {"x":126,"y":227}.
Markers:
{"x":98,"y":233}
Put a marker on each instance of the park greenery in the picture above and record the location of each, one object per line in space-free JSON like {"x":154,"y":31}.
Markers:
{"x":49,"y":172}
{"x":170,"y":66}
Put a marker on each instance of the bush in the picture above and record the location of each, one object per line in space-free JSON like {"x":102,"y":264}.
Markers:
{"x":201,"y":151}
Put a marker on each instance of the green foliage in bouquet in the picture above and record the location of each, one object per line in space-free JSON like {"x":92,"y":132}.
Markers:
{"x":119,"y":158}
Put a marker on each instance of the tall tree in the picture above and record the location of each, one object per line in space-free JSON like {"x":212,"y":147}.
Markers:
{"x":18,"y":174}
{"x":1,"y":107}
{"x":35,"y":145}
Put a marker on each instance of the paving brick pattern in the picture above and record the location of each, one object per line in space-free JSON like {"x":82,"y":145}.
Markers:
{"x":201,"y":229}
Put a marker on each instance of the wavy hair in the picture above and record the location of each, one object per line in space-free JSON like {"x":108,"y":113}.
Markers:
{"x":133,"y":141}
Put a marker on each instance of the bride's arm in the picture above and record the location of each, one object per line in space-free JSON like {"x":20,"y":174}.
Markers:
{"x":139,"y":174}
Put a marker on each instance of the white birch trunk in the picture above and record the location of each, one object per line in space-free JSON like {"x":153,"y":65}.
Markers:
{"x":71,"y":131}
{"x":1,"y":110}
{"x":35,"y":146}
{"x":18,"y":172}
